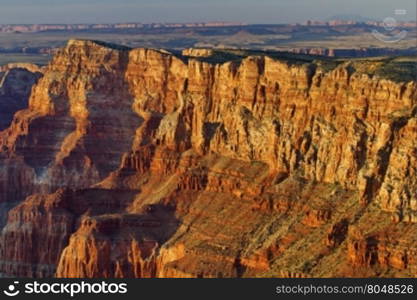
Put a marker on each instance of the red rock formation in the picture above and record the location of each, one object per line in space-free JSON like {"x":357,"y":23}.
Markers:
{"x":151,"y":165}
{"x":118,"y":245}
{"x":39,"y":228}
{"x":38,"y":224}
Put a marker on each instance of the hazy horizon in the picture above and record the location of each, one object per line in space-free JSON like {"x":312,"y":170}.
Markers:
{"x":182,"y":11}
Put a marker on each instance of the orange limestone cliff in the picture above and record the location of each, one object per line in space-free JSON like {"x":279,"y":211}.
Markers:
{"x":142,"y":163}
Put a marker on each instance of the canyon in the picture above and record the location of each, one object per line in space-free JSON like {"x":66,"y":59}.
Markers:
{"x":121,"y":162}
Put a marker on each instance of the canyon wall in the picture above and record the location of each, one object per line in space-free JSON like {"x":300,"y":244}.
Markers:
{"x":140,"y":163}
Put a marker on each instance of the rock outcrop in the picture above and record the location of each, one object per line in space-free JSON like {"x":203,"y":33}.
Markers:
{"x":16,"y":82}
{"x":140,"y":163}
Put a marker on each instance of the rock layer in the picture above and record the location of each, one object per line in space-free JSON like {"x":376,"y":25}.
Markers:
{"x":140,"y":163}
{"x":16,"y":82}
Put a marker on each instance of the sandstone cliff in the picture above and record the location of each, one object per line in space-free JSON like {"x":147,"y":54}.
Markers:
{"x":140,"y":163}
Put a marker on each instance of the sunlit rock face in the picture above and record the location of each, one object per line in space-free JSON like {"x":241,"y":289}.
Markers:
{"x":140,"y":163}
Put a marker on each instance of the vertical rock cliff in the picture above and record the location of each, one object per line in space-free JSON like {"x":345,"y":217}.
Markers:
{"x":141,"y":163}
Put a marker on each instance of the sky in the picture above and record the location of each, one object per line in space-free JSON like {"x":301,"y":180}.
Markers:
{"x":247,"y":11}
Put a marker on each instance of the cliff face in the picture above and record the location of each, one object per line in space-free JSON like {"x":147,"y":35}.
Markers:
{"x":139,"y":163}
{"x":16,"y":82}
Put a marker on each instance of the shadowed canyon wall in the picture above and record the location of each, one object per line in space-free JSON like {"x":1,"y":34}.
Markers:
{"x":140,"y":163}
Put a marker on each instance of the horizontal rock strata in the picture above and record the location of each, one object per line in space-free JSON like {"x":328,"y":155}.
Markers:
{"x":141,"y":163}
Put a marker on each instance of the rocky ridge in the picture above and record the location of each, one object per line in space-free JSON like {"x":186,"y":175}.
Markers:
{"x":141,"y":163}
